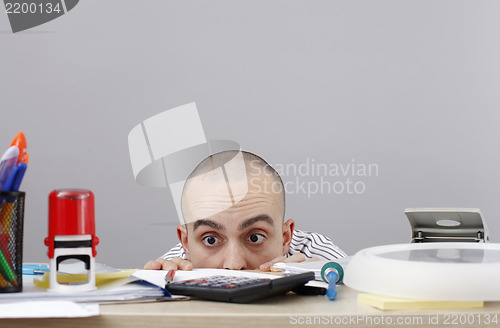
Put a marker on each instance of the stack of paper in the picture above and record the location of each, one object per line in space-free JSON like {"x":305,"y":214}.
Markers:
{"x":157,"y":277}
{"x":115,"y":286}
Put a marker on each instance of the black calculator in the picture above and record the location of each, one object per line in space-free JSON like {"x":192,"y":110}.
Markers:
{"x":237,"y":289}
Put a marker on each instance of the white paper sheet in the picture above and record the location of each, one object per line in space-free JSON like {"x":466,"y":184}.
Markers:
{"x":48,"y":309}
{"x":125,"y":291}
{"x":314,"y":266}
{"x":157,"y":277}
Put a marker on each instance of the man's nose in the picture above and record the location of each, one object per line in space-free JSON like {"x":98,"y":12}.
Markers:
{"x":234,"y":259}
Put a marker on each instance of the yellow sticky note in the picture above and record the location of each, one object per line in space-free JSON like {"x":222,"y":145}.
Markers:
{"x":396,"y":303}
{"x":101,"y":279}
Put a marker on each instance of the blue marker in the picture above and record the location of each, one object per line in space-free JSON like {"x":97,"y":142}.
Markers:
{"x":7,"y":163}
{"x":20,"y":170}
{"x":7,"y":186}
{"x":331,"y":292}
{"x":332,"y":273}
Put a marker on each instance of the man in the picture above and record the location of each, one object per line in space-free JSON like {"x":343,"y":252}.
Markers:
{"x":233,"y":205}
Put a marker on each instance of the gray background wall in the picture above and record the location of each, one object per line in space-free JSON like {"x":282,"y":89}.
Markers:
{"x":411,"y":86}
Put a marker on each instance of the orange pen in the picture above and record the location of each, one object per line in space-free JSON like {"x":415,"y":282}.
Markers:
{"x":20,"y":141}
{"x":169,"y":277}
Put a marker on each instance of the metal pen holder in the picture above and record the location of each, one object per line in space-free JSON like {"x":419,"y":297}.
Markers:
{"x":11,"y":241}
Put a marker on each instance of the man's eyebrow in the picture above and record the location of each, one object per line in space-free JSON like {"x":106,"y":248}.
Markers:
{"x":263,"y":217}
{"x":206,"y":222}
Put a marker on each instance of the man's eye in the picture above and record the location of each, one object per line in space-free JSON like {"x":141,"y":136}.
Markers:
{"x":210,"y":240}
{"x":256,"y":238}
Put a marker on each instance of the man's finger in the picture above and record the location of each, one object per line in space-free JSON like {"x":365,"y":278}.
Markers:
{"x":152,"y":265}
{"x":297,"y":257}
{"x":167,"y":264}
{"x":267,"y":266}
{"x":312,"y":259}
{"x":182,"y":264}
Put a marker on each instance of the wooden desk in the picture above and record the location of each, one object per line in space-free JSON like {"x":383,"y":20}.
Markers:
{"x":280,"y":311}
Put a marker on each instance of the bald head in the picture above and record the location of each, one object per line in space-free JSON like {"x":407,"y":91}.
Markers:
{"x":228,"y":179}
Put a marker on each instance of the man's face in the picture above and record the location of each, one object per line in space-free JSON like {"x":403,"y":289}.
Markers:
{"x":244,"y":236}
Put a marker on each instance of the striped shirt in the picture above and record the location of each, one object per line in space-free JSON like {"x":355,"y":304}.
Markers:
{"x":311,"y":244}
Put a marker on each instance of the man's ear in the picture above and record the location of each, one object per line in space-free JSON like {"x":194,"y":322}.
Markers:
{"x":183,"y":238}
{"x":288,"y":227}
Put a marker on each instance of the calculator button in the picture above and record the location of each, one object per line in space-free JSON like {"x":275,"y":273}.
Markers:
{"x":245,"y":283}
{"x":219,"y":284}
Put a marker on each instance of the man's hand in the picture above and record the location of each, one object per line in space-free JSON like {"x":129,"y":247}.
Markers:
{"x":297,"y":257}
{"x":177,"y":263}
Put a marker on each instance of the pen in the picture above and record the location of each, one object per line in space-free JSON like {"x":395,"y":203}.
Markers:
{"x":6,"y":264}
{"x":169,"y":277}
{"x":20,"y":169}
{"x":7,"y":186}
{"x":20,"y":141}
{"x":3,"y":282}
{"x":12,"y":168}
{"x":7,"y":162}
{"x":7,"y":271}
{"x":12,"y":184}
{"x":4,"y":243}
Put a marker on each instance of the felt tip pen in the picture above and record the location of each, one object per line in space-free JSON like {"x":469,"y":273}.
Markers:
{"x":7,"y":271}
{"x":7,"y":162}
{"x":20,"y":141}
{"x":7,"y":186}
{"x":20,"y":170}
{"x":169,"y":277}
